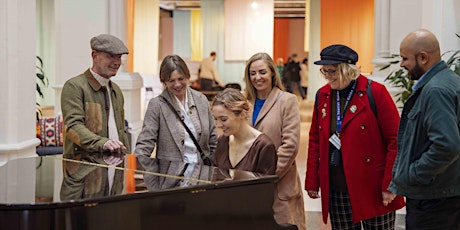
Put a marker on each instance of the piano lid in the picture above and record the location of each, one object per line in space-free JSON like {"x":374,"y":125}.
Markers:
{"x":164,"y":195}
{"x":86,"y":179}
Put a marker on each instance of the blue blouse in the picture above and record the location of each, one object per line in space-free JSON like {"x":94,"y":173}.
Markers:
{"x":257,"y":107}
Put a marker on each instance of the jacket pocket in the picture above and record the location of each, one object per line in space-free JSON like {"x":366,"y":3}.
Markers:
{"x":93,"y":117}
{"x":413,"y":114}
{"x":289,"y":186}
{"x":410,"y":149}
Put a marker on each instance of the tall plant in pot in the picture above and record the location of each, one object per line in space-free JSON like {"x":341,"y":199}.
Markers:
{"x":400,"y":78}
{"x":42,"y":82}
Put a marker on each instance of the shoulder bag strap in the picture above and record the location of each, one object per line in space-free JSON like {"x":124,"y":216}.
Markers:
{"x":186,"y":127}
{"x":371,"y":97}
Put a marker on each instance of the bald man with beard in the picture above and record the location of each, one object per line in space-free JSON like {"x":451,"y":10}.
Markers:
{"x":427,"y":166}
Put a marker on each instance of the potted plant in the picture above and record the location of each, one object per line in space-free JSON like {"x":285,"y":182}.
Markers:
{"x":399,"y":78}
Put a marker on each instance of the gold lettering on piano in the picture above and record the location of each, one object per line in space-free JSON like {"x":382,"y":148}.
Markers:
{"x":198,"y":190}
{"x":91,"y":204}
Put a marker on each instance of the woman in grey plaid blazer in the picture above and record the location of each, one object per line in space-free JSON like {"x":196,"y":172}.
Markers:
{"x":163,"y":129}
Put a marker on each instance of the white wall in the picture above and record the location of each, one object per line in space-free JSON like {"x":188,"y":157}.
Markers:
{"x":442,"y":17}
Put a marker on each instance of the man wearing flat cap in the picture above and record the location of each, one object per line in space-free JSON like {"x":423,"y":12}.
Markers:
{"x":94,"y":133}
{"x":352,"y":146}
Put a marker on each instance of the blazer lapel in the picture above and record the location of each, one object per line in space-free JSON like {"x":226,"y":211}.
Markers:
{"x":172,"y":122}
{"x":274,"y":95}
{"x":196,"y":113}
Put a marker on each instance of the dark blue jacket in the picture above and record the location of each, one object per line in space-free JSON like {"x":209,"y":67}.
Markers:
{"x":427,"y":165}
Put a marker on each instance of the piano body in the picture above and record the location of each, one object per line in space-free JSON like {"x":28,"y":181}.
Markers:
{"x":214,"y":199}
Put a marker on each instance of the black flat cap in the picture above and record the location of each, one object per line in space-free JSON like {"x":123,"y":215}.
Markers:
{"x":109,"y":44}
{"x":335,"y":54}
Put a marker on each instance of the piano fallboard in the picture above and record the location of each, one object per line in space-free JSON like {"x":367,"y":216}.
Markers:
{"x":231,"y":200}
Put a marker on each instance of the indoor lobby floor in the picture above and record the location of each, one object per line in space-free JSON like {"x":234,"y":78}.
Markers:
{"x":313,"y":206}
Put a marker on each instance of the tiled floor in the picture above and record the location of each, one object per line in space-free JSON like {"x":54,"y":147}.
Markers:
{"x":313,"y":206}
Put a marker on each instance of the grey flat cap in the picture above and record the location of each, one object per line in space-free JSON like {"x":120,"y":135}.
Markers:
{"x":109,"y":44}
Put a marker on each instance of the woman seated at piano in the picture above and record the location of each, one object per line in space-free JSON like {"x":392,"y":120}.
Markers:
{"x":240,"y":146}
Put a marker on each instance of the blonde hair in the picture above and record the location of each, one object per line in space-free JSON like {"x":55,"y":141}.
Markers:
{"x":233,"y":100}
{"x":250,"y":90}
{"x":348,"y":71}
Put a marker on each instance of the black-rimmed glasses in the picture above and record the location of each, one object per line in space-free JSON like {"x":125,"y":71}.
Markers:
{"x":330,"y":72}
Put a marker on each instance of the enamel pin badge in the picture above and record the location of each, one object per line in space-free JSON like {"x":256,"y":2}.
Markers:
{"x":353,"y":108}
{"x":323,"y":111}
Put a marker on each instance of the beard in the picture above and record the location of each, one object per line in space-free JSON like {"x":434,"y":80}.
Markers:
{"x":416,"y":72}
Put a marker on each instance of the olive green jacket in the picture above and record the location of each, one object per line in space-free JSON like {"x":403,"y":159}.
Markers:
{"x":85,"y":109}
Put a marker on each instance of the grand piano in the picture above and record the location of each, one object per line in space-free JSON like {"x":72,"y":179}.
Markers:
{"x":209,"y":198}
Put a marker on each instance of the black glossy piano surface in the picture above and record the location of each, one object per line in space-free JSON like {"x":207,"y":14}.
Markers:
{"x":212,"y":198}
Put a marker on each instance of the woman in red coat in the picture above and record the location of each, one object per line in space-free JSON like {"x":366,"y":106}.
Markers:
{"x":352,"y":150}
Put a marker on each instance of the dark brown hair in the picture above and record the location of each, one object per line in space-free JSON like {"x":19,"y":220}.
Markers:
{"x":171,"y":63}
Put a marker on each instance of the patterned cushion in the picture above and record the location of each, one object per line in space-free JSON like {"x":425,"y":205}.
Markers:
{"x":49,"y":131}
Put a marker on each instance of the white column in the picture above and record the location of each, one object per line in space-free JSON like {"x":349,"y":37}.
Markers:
{"x":382,"y":55}
{"x":17,"y":100}
{"x":315,"y":79}
{"x":381,"y":40}
{"x":117,"y":24}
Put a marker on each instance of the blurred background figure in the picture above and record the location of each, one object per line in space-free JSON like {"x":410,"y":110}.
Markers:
{"x":294,"y":76}
{"x":304,"y":76}
{"x":209,"y":77}
{"x":280,"y":67}
{"x":286,"y":77}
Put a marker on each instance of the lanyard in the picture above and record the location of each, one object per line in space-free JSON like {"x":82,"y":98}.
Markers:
{"x":340,"y":117}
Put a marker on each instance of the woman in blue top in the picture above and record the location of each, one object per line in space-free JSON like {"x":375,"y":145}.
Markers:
{"x":276,"y":113}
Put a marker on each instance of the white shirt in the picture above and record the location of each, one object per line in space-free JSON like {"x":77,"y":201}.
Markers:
{"x":191,"y":152}
{"x":113,"y":133}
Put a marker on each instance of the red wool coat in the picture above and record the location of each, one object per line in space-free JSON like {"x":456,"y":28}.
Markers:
{"x":368,"y":152}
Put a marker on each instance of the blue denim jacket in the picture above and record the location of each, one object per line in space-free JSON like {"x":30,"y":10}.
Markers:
{"x":427,"y":165}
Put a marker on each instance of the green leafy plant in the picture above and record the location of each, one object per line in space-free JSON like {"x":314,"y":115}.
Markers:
{"x":454,"y":59}
{"x":400,"y":77}
{"x":42,"y":82}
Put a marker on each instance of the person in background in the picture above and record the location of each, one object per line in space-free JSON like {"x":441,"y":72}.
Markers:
{"x":209,"y":75}
{"x":240,"y":146}
{"x":294,"y":69}
{"x":427,"y":168}
{"x":92,"y":108}
{"x":351,"y":150}
{"x":163,"y":130}
{"x":286,"y":77}
{"x":304,"y":75}
{"x":276,"y":113}
{"x":280,"y":67}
